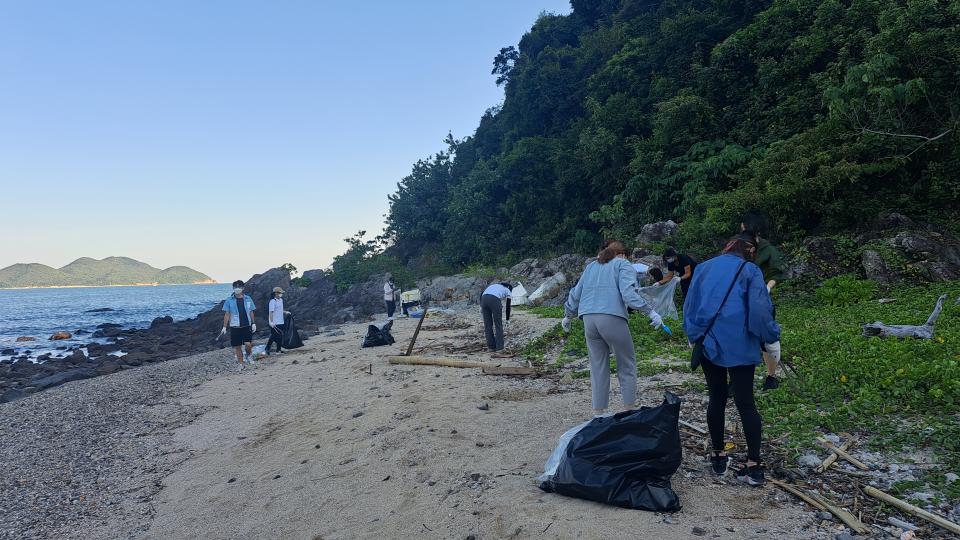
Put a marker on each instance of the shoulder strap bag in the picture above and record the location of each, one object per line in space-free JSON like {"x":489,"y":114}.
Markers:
{"x":698,"y":354}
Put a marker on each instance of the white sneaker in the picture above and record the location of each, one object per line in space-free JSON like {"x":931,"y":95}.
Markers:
{"x":239,"y":368}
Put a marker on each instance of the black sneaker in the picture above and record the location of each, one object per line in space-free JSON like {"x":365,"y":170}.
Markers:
{"x":771,"y":383}
{"x":719,"y":464}
{"x":751,"y":475}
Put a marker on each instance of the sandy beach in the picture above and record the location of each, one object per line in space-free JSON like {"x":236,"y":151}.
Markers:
{"x":331,"y":441}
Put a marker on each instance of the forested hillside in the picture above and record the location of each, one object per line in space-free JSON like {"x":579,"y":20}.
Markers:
{"x":631,"y":111}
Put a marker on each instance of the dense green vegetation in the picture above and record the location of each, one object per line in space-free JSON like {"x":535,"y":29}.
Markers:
{"x":630,"y":111}
{"x":92,"y":272}
{"x":897,"y":394}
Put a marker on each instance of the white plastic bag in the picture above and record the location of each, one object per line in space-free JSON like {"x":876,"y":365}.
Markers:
{"x":660,"y":298}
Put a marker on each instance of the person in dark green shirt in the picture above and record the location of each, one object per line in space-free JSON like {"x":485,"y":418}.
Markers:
{"x":771,"y":263}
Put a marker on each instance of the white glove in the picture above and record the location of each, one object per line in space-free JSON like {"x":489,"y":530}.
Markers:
{"x":286,"y":312}
{"x":656,"y":284}
{"x":253,"y":328}
{"x":773,"y":350}
{"x":271,"y":325}
{"x":769,"y":287}
{"x":223,"y":331}
{"x":656,"y":320}
{"x":565,"y":324}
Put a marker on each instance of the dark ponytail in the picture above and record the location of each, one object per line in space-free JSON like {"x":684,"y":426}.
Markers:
{"x":609,"y":250}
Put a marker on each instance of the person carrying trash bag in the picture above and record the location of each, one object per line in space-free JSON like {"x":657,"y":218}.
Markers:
{"x":606,"y":290}
{"x":491,"y":309}
{"x":728,"y":315}
{"x":275,"y":318}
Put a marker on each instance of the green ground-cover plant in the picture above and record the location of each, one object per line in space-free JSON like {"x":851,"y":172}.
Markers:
{"x":898,"y":394}
{"x":845,"y":290}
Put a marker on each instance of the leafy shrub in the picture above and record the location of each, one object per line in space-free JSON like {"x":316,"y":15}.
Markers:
{"x":364,"y":259}
{"x":845,"y":290}
{"x":301,"y":282}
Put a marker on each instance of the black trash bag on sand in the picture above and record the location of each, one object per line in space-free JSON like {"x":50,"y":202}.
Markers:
{"x":378,"y":334}
{"x":625,"y":459}
{"x":291,"y":337}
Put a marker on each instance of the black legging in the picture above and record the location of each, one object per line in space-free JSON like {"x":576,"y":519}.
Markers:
{"x":741,"y":383}
{"x":276,"y":336}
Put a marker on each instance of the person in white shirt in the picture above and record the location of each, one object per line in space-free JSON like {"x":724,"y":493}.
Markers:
{"x":491,"y":308}
{"x":275,"y":316}
{"x":390,"y":296}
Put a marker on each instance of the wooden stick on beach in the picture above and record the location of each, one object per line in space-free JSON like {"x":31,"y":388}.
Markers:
{"x":842,"y":453}
{"x":447,"y":362}
{"x":832,"y":458}
{"x":417,"y":331}
{"x":821,"y":504}
{"x":912,"y":510}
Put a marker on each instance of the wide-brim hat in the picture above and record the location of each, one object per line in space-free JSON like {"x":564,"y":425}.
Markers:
{"x":277,"y":290}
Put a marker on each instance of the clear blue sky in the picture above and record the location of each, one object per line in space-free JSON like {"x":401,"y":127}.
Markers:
{"x":230,"y":136}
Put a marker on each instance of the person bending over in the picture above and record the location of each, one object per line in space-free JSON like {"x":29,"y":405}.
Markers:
{"x":678,"y":264}
{"x":491,"y":309}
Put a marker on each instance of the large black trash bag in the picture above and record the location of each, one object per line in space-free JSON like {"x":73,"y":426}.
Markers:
{"x":625,"y":459}
{"x":291,"y":337}
{"x":378,"y":334}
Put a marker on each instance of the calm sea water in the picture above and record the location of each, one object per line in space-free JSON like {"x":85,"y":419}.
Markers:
{"x":41,"y":312}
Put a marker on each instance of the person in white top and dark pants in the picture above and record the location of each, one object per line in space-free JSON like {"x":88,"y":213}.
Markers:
{"x":491,"y":308}
{"x":275,"y":317}
{"x":390,"y":296}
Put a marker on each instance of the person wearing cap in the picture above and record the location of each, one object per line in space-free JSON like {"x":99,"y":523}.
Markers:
{"x":275,"y":317}
{"x":238,"y":311}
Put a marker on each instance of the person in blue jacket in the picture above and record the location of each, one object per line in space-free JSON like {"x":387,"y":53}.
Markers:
{"x":732,"y":346}
{"x":607,"y":288}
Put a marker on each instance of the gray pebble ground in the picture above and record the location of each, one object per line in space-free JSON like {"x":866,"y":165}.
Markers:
{"x":90,"y":451}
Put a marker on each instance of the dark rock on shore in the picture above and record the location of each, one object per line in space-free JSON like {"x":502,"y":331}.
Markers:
{"x":161,"y":320}
{"x":99,"y":310}
{"x":64,"y":377}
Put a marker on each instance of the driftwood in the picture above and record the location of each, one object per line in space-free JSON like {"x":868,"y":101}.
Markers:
{"x":446,"y":362}
{"x":698,"y":429}
{"x":509,"y":370}
{"x":822,"y":504}
{"x":833,"y":457}
{"x":842,"y":453}
{"x":925,"y":331}
{"x":417,"y":331}
{"x":912,"y":510}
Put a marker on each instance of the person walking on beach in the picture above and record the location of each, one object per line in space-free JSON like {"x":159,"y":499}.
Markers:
{"x":238,"y":312}
{"x":771,"y":263}
{"x":275,"y":318}
{"x":390,"y":296}
{"x":602,"y":297}
{"x":491,"y":309}
{"x":728,"y":310}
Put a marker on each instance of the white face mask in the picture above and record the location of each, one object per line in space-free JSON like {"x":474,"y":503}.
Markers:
{"x":238,"y":291}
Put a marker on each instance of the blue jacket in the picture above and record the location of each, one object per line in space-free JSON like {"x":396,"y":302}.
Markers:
{"x":606,"y":288}
{"x":230,"y":306}
{"x":746,"y":319}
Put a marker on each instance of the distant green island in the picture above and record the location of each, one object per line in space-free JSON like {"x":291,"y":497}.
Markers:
{"x":87,"y":272}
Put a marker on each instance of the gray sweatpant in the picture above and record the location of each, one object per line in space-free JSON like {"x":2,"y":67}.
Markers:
{"x":491,"y":308}
{"x":605,"y":332}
